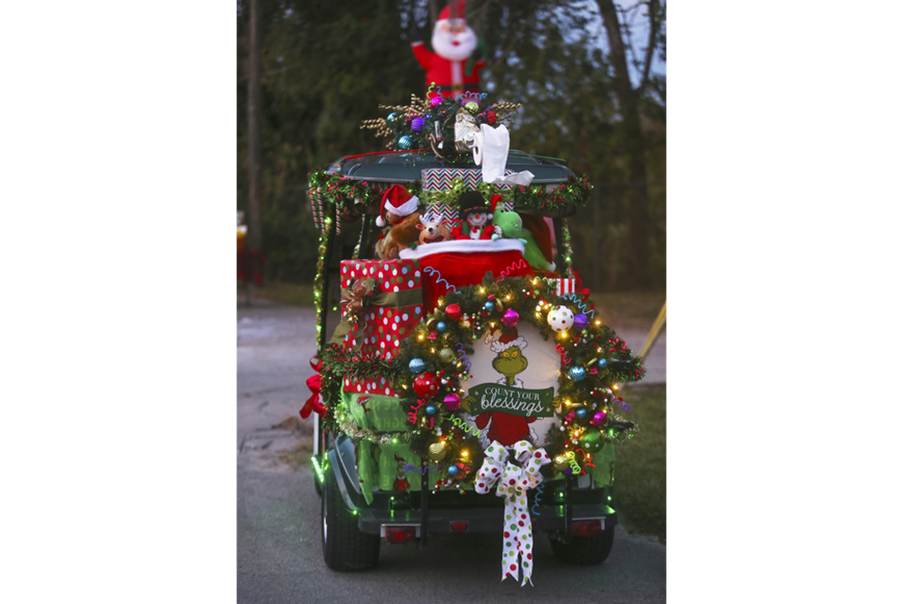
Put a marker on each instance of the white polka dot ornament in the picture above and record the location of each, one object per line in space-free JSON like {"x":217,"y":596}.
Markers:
{"x":561,"y":318}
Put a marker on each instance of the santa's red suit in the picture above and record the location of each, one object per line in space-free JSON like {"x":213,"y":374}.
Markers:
{"x":448,"y":75}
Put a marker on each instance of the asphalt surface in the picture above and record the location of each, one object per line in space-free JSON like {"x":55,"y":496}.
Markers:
{"x":279,"y":551}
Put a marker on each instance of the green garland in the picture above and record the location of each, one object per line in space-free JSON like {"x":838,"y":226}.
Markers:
{"x":568,"y":250}
{"x":339,"y":363}
{"x":319,"y":280}
{"x":341,"y":192}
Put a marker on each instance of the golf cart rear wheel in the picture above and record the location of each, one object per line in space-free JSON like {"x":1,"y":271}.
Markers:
{"x":584,"y":551}
{"x":345,"y":547}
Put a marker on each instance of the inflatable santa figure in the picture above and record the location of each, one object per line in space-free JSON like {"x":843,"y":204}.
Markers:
{"x":453,"y":43}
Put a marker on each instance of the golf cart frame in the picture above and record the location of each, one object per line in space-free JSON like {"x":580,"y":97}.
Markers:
{"x":575,"y":512}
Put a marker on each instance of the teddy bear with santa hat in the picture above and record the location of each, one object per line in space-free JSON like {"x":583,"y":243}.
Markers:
{"x":399,"y":209}
{"x":453,"y":44}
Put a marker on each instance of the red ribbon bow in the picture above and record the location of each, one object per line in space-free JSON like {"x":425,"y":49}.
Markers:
{"x":313,"y":382}
{"x":579,"y":287}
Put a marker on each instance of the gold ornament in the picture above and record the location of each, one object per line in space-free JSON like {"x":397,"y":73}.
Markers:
{"x":561,"y":462}
{"x":446,"y":354}
{"x":437,"y":451}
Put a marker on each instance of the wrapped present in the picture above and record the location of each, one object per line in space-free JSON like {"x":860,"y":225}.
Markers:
{"x":565,"y":286}
{"x":439,"y":179}
{"x":381,"y":303}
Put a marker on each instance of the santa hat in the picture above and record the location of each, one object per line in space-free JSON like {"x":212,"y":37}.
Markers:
{"x":457,"y":5}
{"x":396,"y":200}
{"x":507,"y":340}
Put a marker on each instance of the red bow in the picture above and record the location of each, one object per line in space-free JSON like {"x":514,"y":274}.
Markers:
{"x":313,"y":382}
{"x":579,"y":287}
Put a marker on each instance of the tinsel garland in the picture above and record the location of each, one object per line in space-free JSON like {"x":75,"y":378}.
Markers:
{"x":319,"y":281}
{"x":568,"y":250}
{"x":344,"y":192}
{"x":347,"y":426}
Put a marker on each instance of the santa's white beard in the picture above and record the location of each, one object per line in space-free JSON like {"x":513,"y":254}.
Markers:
{"x":444,"y":47}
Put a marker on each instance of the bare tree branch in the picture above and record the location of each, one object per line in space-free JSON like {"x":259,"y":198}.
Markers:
{"x":650,"y":49}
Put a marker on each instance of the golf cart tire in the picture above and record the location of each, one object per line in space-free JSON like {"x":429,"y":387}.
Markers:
{"x":345,"y":547}
{"x":584,"y":551}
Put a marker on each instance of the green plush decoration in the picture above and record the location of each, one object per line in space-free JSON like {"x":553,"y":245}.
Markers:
{"x":512,"y":226}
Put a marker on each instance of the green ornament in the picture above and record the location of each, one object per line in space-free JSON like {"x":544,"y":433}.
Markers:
{"x":591,"y":440}
{"x":447,"y":354}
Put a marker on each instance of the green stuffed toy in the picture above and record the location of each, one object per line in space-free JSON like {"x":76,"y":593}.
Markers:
{"x":513,"y":228}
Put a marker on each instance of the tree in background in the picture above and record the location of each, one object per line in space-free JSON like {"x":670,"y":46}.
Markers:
{"x":325,"y":66}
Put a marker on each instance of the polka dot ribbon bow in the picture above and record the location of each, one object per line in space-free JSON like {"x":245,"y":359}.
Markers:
{"x":513,"y":483}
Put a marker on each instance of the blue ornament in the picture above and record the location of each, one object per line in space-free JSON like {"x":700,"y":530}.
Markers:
{"x":488,"y":306}
{"x":453,"y":470}
{"x":430,"y":409}
{"x":416,"y":365}
{"x":577,"y":373}
{"x":391,"y":117}
{"x":440,"y":326}
{"x":581,"y":413}
{"x":602,"y":363}
{"x":404,"y":142}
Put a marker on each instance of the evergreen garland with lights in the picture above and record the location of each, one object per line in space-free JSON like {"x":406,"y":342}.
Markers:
{"x":428,"y":373}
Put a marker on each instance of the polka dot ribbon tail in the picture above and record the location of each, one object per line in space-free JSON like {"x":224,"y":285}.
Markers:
{"x":513,"y":483}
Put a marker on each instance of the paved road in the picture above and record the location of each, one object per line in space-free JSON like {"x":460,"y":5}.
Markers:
{"x":279,"y":552}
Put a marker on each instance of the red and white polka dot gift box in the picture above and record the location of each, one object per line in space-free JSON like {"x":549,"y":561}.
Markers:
{"x":391,"y":309}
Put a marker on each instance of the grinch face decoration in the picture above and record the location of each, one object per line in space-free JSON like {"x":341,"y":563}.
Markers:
{"x":509,"y":363}
{"x":561,"y":318}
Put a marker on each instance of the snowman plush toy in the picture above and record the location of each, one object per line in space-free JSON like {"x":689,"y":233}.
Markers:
{"x":476,"y":217}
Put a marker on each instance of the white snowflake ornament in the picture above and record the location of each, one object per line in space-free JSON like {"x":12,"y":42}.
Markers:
{"x":561,"y":318}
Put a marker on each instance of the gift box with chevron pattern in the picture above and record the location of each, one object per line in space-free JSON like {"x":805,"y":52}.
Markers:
{"x":438,"y":179}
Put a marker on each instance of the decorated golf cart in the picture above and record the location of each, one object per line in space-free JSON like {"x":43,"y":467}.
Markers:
{"x":465,"y":382}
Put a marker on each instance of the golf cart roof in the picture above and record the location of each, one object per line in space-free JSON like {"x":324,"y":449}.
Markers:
{"x":405,"y":166}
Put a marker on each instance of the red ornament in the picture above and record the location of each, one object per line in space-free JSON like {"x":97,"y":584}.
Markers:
{"x":454,"y":312}
{"x":490,"y":117}
{"x":426,"y":385}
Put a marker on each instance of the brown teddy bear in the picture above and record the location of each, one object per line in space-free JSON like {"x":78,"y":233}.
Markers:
{"x":399,"y":209}
{"x":403,"y":234}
